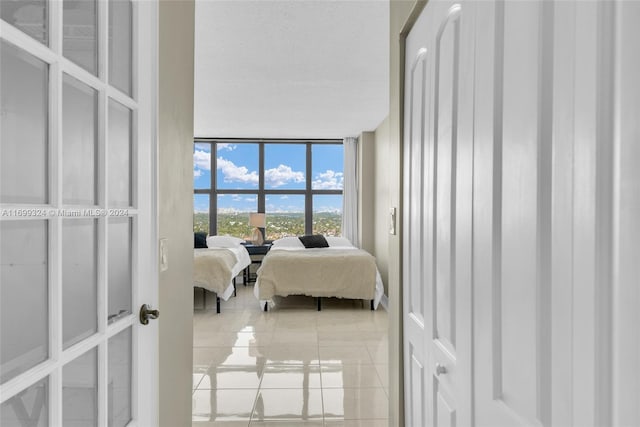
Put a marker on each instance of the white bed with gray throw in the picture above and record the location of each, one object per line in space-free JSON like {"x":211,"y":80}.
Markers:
{"x":338,"y":270}
{"x":215,"y":267}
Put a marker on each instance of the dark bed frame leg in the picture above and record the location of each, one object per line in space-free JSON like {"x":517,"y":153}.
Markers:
{"x":266,"y":305}
{"x":204,"y":299}
{"x":372,"y":305}
{"x":234,"y":287}
{"x":319,"y":304}
{"x":218,"y":305}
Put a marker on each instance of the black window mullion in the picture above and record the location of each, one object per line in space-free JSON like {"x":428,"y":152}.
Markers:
{"x":261,"y":195}
{"x":308,"y":199}
{"x":213,"y":194}
{"x":242,"y":191}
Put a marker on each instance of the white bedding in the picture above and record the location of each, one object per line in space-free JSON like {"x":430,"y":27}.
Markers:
{"x":203,"y":277}
{"x":379,"y":289}
{"x":244,"y":260}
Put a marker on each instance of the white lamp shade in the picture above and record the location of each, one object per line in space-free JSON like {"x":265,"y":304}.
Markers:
{"x":258,"y":220}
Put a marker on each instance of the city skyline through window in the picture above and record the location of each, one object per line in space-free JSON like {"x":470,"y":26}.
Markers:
{"x":299,"y":186}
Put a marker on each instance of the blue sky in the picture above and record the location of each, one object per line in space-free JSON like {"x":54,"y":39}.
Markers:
{"x":285,"y":164}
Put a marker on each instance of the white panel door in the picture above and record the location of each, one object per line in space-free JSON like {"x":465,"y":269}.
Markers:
{"x":418,"y":71}
{"x":548,"y":222}
{"x":626,"y":291}
{"x":77,"y":257}
{"x":545,"y":214}
{"x":511,"y":329}
{"x":437,"y":248}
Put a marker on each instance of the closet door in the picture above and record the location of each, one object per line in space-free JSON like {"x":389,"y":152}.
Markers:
{"x":511,"y":218}
{"x":521,"y":214}
{"x":437,"y":248}
{"x":553,"y":197}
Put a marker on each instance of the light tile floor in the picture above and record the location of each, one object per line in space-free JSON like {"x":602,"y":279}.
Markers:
{"x":292,"y":366}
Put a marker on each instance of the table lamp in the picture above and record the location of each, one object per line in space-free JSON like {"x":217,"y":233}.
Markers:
{"x":259,"y":221}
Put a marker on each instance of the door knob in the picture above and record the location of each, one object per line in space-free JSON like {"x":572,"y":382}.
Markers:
{"x":440,"y":369}
{"x":147,"y":313}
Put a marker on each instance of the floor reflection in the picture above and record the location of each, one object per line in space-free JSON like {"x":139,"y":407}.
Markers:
{"x":293,"y":365}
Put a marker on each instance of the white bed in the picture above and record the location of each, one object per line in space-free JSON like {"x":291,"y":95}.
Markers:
{"x":340,"y":270}
{"x":215,"y":267}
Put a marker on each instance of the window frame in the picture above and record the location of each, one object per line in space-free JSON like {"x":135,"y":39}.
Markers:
{"x":308,"y":192}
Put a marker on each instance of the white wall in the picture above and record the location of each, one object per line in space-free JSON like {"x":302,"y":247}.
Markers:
{"x":381,"y":203}
{"x":175,"y":205}
{"x":366,"y":190}
{"x":389,"y":152}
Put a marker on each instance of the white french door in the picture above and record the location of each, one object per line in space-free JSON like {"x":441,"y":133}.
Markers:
{"x":77,"y":221}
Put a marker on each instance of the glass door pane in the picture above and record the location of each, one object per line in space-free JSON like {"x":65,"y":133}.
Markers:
{"x":80,"y":391}
{"x":119,"y":386}
{"x":79,"y":280}
{"x":119,"y":155}
{"x":80,"y":29}
{"x":32,"y":17}
{"x":120,"y":289}
{"x":79,"y":142}
{"x":23,"y":127}
{"x":30,"y":407}
{"x":120,"y":44}
{"x":24,"y":279}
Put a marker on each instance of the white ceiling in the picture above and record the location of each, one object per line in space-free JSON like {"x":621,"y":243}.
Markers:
{"x":291,"y":68}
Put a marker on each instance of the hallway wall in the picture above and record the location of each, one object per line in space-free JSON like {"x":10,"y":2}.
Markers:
{"x":388,"y":189}
{"x":175,"y":208}
{"x":381,"y":201}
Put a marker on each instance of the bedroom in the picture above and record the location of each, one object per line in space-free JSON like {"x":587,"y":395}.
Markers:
{"x":288,"y":94}
{"x":546,"y":312}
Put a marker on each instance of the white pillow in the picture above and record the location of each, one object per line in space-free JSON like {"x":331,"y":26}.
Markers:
{"x":288,"y":242}
{"x":223,"y":241}
{"x":338,"y":241}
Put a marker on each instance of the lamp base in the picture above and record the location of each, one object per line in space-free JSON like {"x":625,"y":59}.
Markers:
{"x":256,"y":237}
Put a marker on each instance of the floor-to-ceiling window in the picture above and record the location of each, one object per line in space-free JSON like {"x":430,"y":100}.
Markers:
{"x":297,"y":183}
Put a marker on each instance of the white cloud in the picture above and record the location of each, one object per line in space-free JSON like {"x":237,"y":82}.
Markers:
{"x":197,"y":173}
{"x":329,"y":180}
{"x":325,"y":209}
{"x":226,"y":146}
{"x":282,"y":175}
{"x":202,"y":160}
{"x":250,"y":199}
{"x":284,"y":197}
{"x":233,"y":173}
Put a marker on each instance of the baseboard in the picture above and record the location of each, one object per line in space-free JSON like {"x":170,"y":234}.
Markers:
{"x":384,"y":302}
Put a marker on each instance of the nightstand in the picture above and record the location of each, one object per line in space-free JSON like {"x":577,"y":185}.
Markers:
{"x":256,"y":252}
